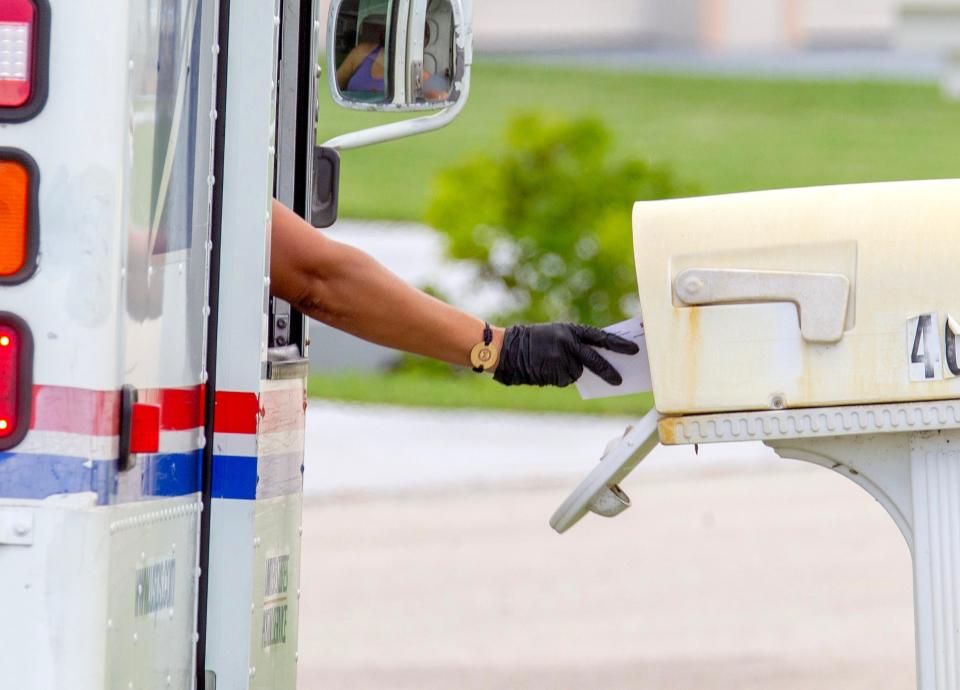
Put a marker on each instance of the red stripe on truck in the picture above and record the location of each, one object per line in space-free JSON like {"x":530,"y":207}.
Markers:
{"x":76,"y":411}
{"x":181,"y":409}
{"x":282,"y":410}
{"x":237,"y":413}
{"x":97,"y":413}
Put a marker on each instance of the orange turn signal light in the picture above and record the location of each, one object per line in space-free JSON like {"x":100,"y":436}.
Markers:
{"x":18,"y":216}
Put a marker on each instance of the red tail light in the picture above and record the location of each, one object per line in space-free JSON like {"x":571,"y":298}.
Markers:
{"x":24,"y":49}
{"x":16,"y":380}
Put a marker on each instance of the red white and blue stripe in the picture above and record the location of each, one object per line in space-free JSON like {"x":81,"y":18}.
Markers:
{"x":73,"y":443}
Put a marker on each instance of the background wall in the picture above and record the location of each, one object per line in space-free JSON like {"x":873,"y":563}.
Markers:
{"x":712,"y":25}
{"x":828,"y":23}
{"x":542,"y":24}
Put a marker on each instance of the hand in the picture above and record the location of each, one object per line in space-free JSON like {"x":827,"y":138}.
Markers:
{"x":555,"y":354}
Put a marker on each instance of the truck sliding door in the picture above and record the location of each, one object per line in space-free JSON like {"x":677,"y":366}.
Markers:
{"x":256,"y":422}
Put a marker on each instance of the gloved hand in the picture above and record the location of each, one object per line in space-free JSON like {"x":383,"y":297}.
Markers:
{"x":554,"y":354}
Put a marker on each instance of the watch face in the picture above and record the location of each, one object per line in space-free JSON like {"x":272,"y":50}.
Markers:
{"x":483,"y":356}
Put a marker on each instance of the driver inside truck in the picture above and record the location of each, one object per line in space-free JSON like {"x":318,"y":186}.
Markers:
{"x":363,"y":68}
{"x":362,"y":71}
{"x":345,"y":288}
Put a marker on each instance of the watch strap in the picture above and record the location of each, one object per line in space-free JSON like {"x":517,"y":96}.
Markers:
{"x":483,"y":355}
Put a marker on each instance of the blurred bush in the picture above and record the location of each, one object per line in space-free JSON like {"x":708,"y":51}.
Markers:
{"x":549,"y":217}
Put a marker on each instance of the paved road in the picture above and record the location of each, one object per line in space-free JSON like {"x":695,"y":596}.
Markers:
{"x":363,"y":449}
{"x":429,"y":565}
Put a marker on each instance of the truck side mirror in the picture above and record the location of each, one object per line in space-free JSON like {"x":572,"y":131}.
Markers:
{"x":397,"y":55}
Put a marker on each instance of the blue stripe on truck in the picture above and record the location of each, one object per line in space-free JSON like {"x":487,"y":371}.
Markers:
{"x":235,"y":476}
{"x":39,"y":476}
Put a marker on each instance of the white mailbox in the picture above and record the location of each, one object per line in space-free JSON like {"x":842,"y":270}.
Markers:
{"x":800,"y":298}
{"x":823,"y":322}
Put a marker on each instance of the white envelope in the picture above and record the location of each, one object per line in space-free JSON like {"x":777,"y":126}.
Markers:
{"x":635,"y":369}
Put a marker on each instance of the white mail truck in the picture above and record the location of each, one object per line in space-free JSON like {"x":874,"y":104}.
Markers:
{"x":152,"y":392}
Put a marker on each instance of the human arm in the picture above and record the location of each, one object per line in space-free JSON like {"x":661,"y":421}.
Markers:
{"x":352,"y":63}
{"x":345,"y":288}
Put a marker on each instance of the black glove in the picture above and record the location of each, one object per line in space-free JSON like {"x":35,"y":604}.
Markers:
{"x":554,"y":354}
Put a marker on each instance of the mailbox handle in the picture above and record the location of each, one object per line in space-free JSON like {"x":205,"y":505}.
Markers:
{"x":821,"y":298}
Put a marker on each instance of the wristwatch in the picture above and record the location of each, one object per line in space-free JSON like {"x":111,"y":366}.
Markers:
{"x":484,"y":354}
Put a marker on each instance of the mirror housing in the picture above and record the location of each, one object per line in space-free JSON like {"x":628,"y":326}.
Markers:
{"x":398,"y":55}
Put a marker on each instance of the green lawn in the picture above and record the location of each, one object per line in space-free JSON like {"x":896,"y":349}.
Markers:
{"x":476,"y":392}
{"x":722,"y":134}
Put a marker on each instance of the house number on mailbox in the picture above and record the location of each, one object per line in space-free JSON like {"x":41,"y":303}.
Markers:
{"x":925,"y":360}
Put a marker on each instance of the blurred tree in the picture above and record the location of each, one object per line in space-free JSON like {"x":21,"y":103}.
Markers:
{"x":549,"y":217}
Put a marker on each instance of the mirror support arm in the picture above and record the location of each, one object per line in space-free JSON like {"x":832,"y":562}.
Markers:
{"x":405,"y":128}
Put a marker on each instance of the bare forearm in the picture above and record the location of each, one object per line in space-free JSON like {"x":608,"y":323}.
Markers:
{"x":345,"y":288}
{"x":363,"y":298}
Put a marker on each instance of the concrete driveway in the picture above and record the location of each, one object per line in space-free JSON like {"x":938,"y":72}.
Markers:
{"x":733,"y":569}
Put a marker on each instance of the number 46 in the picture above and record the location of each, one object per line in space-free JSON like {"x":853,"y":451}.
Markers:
{"x":923,"y":344}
